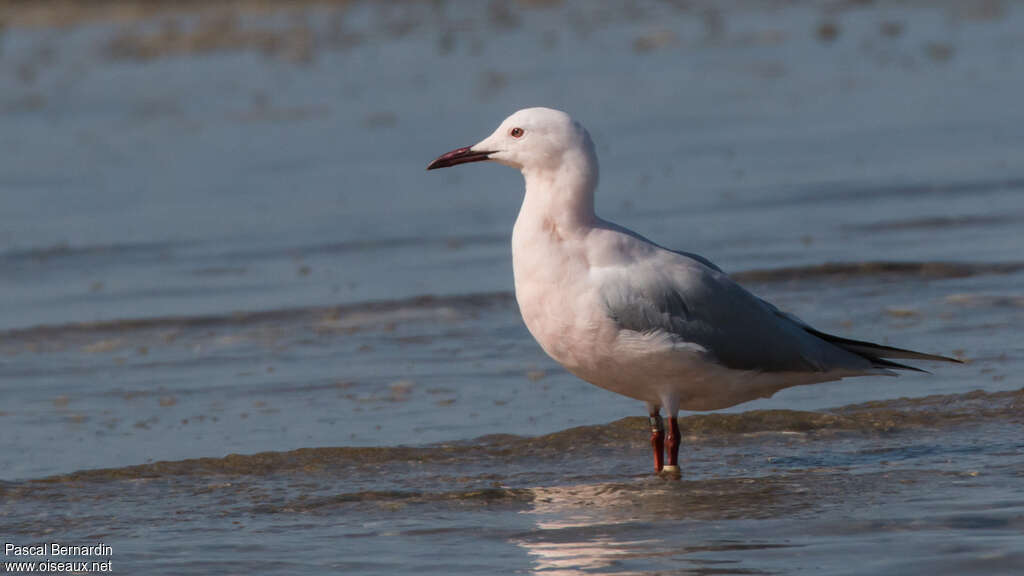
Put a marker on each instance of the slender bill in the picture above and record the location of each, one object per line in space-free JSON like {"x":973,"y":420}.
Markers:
{"x":458,"y":156}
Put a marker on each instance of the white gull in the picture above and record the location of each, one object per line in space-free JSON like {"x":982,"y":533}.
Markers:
{"x":668,"y":328}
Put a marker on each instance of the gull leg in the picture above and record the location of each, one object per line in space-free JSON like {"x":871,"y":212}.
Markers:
{"x":657,"y":438}
{"x":672,"y":442}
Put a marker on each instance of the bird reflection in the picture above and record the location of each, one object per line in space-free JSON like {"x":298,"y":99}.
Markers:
{"x":641,"y":527}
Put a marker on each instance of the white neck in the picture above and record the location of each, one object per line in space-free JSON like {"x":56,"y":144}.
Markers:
{"x":564,"y":194}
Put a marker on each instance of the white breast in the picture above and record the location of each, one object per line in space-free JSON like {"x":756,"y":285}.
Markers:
{"x":554,"y":298}
{"x":560,"y":300}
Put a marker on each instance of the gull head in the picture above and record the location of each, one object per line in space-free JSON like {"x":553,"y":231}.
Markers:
{"x":532,"y":140}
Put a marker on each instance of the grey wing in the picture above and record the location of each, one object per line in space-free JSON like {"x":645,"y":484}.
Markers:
{"x":687,"y":255}
{"x":698,"y":304}
{"x":698,"y":258}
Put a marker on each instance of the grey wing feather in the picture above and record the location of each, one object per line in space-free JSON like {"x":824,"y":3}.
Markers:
{"x":698,"y":258}
{"x":689,"y":255}
{"x":698,"y":304}
{"x":694,"y":301}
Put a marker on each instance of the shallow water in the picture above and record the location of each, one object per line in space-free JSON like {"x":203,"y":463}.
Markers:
{"x":762,"y":492}
{"x":243,"y":331}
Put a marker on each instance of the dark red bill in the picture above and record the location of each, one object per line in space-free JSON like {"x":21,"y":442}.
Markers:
{"x":458,"y":156}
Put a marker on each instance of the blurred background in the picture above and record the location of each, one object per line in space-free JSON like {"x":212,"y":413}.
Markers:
{"x":217,"y":234}
{"x":164,"y":158}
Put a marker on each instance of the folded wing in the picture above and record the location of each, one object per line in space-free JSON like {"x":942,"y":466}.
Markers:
{"x":695,"y":303}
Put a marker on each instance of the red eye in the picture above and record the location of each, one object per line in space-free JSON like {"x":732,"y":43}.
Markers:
{"x":516,"y":132}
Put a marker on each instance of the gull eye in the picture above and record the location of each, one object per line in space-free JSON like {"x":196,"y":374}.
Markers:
{"x":516,"y":132}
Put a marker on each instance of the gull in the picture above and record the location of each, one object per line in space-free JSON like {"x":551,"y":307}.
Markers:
{"x":665,"y":327}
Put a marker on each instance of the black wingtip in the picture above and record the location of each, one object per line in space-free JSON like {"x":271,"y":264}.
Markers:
{"x":883,"y":363}
{"x":878,"y":352}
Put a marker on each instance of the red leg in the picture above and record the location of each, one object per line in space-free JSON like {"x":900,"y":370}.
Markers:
{"x":657,"y":440}
{"x":673,"y":444}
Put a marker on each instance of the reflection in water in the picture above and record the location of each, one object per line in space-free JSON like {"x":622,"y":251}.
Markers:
{"x":632,"y":528}
{"x":570,"y":558}
{"x":575,"y":525}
